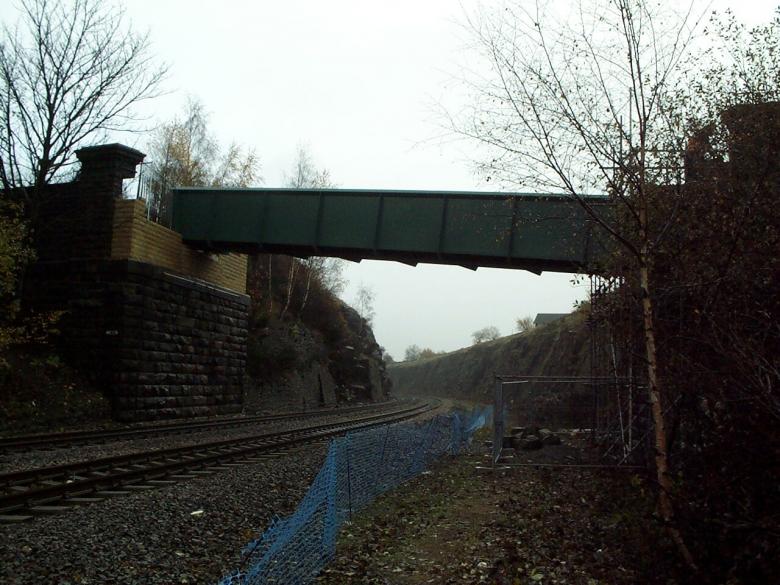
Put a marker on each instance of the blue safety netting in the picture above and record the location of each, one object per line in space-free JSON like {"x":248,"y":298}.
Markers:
{"x":359,"y":467}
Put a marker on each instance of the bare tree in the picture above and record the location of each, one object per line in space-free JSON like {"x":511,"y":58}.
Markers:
{"x":738,"y":65}
{"x":305,"y":174}
{"x":488,"y":333}
{"x":69,"y":73}
{"x":581,"y":102}
{"x":412,"y":353}
{"x":523,"y":324}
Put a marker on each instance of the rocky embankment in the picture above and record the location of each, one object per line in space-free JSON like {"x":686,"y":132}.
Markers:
{"x":293,"y":367}
{"x":558,"y":349}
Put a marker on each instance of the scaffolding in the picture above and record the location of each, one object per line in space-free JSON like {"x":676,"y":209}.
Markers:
{"x":621,"y":413}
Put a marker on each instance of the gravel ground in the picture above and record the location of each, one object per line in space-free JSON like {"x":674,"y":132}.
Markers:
{"x":18,"y":461}
{"x":151,"y":537}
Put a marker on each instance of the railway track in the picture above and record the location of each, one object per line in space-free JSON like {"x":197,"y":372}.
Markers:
{"x":59,"y":488}
{"x":73,"y":438}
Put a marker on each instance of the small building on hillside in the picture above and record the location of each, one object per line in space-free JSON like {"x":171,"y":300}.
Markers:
{"x":545,"y":318}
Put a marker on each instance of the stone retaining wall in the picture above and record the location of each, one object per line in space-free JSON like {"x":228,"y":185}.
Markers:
{"x":162,"y":345}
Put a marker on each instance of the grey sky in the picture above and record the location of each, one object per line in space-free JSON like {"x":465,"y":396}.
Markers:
{"x":356,"y":81}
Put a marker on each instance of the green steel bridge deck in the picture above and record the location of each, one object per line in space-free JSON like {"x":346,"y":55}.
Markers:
{"x":505,"y":230}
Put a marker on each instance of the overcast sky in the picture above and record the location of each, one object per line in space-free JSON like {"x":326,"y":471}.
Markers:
{"x":358,"y":82}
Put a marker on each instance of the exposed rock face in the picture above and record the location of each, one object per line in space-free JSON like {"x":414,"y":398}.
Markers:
{"x":358,"y":365}
{"x":560,"y":348}
{"x":292,"y":367}
{"x":327,"y":386}
{"x":294,"y":390}
{"x":375,"y":379}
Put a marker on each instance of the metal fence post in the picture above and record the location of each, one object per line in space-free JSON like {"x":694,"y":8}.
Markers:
{"x":418,"y":463}
{"x":498,"y":419}
{"x":330,"y":528}
{"x":379,"y":468}
{"x":349,"y":475}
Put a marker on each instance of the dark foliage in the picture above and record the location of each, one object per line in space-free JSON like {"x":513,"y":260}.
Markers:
{"x":39,"y":392}
{"x":268,"y":355}
{"x":716,"y":275}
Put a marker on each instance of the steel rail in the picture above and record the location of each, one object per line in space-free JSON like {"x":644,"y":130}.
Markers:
{"x":35,"y":487}
{"x":70,"y":438}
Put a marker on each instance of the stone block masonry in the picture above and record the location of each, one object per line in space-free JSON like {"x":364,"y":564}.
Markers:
{"x":181,"y":349}
{"x":164,"y":346}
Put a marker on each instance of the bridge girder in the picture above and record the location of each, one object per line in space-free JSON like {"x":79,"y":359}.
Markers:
{"x":472,"y":229}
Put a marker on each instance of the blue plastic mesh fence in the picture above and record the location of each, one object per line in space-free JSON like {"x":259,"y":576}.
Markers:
{"x":359,"y":467}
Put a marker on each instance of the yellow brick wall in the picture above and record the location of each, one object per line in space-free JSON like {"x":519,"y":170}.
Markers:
{"x":136,"y":238}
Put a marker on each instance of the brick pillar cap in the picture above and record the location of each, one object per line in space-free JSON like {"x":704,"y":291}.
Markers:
{"x":120,"y":159}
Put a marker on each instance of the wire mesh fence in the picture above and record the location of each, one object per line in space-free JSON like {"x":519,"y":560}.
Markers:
{"x":359,"y":467}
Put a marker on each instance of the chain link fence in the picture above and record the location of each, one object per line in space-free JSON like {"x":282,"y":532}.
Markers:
{"x":359,"y":467}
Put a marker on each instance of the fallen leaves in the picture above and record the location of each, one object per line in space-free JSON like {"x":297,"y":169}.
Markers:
{"x":515,"y":527}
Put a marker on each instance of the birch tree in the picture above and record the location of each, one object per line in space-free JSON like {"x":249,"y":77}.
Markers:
{"x":364,"y":304}
{"x":326,"y":272}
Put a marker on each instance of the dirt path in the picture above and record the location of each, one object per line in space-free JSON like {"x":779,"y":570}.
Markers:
{"x":460,"y":524}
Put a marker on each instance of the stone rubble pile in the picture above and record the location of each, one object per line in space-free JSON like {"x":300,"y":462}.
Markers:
{"x":532,"y":438}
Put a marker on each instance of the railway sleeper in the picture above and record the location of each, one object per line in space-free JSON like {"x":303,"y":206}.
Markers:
{"x":45,"y":510}
{"x":14,"y":518}
{"x":83,"y":500}
{"x":165,"y":482}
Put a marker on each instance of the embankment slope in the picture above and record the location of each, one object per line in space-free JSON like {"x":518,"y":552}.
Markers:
{"x":561,"y":348}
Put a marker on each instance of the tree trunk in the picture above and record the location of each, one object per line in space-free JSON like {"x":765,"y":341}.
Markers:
{"x":308,"y":286}
{"x":665,"y":506}
{"x":290,"y":283}
{"x":270,"y":286}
